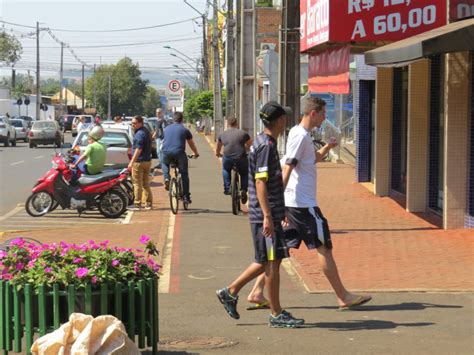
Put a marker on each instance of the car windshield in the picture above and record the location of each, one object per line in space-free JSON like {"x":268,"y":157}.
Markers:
{"x":17,"y":123}
{"x":44,"y":125}
{"x":114,"y":139}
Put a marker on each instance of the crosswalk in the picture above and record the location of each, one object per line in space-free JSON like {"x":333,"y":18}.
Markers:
{"x":19,"y":220}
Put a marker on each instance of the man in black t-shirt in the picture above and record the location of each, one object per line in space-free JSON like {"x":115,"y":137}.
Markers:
{"x":235,"y":142}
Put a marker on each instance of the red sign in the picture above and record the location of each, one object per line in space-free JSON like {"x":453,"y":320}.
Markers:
{"x":329,"y":71}
{"x":460,"y":9}
{"x":174,"y":85}
{"x":358,"y":21}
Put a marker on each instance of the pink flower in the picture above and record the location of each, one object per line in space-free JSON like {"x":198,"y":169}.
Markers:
{"x":94,"y":279}
{"x":48,"y":270}
{"x":115,"y":263}
{"x":104,"y":243}
{"x":31,"y":264}
{"x":144,"y":239}
{"x":3,"y":254}
{"x":82,"y":272}
{"x":77,"y":260}
{"x":18,"y":242}
{"x":20,"y":266}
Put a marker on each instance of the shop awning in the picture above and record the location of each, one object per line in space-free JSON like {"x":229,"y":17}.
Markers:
{"x":455,"y":37}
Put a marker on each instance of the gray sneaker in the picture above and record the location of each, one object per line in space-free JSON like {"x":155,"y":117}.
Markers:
{"x":229,"y":302}
{"x":285,"y":320}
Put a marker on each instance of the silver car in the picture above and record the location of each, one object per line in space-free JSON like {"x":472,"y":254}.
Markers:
{"x":45,"y":132}
{"x":7,"y":132}
{"x":118,"y":142}
{"x":21,"y":128}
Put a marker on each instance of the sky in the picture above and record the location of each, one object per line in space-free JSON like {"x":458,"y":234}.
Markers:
{"x":103,"y":15}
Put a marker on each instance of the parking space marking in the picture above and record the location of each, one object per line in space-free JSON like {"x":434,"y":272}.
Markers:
{"x":17,"y":162}
{"x":165,"y":277}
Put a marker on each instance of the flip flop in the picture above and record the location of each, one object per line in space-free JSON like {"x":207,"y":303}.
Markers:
{"x":257,"y":306}
{"x":359,"y":301}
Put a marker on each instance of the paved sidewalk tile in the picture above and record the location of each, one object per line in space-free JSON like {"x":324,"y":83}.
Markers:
{"x":380,"y":246}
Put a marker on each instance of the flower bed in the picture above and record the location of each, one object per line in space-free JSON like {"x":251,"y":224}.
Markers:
{"x":42,"y":284}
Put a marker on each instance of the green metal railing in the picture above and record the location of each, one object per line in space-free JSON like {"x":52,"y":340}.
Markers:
{"x":25,"y":313}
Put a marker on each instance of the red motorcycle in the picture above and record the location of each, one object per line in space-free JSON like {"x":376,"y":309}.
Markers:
{"x":102,"y":191}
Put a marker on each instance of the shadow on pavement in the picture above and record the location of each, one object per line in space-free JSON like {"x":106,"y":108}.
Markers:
{"x":203,"y":210}
{"x":364,"y":325}
{"x":165,"y":352}
{"x":345,"y":231}
{"x":405,"y":306}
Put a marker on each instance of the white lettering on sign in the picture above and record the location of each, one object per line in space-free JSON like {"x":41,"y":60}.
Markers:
{"x":394,"y":22}
{"x":318,"y":16}
{"x":465,"y":10}
{"x":396,"y":2}
{"x":303,"y":25}
{"x":359,"y":5}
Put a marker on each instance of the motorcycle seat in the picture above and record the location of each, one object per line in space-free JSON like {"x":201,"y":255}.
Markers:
{"x":86,"y":180}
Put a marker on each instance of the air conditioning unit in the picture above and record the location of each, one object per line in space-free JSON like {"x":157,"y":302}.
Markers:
{"x":267,"y":46}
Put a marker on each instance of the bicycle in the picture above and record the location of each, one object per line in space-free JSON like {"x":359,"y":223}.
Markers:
{"x":175,"y":192}
{"x":234,"y":188}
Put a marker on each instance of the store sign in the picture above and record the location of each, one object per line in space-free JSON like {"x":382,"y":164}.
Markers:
{"x":328,"y":71}
{"x":460,"y":9}
{"x":355,"y":21}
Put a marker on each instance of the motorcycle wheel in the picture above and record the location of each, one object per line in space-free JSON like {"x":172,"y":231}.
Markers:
{"x":54,"y":206}
{"x":128,"y":189}
{"x":39,"y":203}
{"x":112,"y":204}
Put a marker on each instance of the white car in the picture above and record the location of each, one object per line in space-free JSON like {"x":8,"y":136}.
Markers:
{"x":21,"y":128}
{"x":122,"y":126}
{"x":88,"y":122}
{"x":7,"y":132}
{"x":118,"y":142}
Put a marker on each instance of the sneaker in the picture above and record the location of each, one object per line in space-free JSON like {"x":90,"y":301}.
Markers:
{"x":243,"y":197}
{"x":148,"y":207}
{"x":229,"y":302}
{"x":187,"y":200}
{"x":134,"y":208}
{"x":167,"y":185}
{"x":227,"y":192}
{"x":285,"y":320}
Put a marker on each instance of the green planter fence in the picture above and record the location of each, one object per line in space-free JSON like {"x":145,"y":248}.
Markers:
{"x":25,"y":313}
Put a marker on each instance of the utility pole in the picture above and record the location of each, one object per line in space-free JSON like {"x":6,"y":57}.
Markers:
{"x":95,"y":91}
{"x":237,"y":60}
{"x":61,"y":80}
{"x":247,"y":72}
{"x":13,"y":84}
{"x":230,"y":110}
{"x":109,"y":99}
{"x":82,"y":91}
{"x":216,"y":75}
{"x":289,"y":81}
{"x":38,"y":89}
{"x":205,"y":59}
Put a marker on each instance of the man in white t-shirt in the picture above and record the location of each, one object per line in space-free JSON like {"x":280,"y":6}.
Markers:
{"x":305,"y":221}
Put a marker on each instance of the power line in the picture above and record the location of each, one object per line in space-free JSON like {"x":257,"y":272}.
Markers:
{"x":105,"y":31}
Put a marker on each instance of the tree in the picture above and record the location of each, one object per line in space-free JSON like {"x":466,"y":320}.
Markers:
{"x":151,"y":101}
{"x":200,"y":104}
{"x":10,"y":49}
{"x":127,"y":92}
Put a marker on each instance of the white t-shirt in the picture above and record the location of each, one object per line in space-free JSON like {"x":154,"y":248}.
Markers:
{"x":301,"y":188}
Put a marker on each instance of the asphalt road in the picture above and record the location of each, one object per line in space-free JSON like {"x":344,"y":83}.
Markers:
{"x":20,"y":167}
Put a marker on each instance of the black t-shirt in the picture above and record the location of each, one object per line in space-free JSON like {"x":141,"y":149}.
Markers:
{"x":234,"y":140}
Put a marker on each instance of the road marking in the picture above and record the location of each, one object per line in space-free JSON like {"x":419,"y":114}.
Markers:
{"x":165,"y":277}
{"x":11,"y":213}
{"x":17,"y":162}
{"x":39,"y":157}
{"x":128,"y":218}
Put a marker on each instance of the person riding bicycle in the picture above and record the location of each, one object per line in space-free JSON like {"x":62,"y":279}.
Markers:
{"x":95,"y":153}
{"x":236,"y":143}
{"x":174,"y":149}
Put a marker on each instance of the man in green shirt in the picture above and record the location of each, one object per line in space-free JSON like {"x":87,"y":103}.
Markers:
{"x":95,"y":152}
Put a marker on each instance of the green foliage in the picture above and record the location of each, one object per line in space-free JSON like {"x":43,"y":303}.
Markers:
{"x":200,"y":104}
{"x":128,"y":89}
{"x":10,"y":49}
{"x":151,"y":101}
{"x":50,"y":87}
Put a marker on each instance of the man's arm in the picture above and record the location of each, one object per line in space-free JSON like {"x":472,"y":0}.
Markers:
{"x":287,"y":169}
{"x":136,"y":154}
{"x":262,"y":195}
{"x":320,"y":154}
{"x":218,"y":148}
{"x":193,"y":147}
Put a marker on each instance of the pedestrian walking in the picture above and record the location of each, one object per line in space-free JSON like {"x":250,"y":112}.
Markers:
{"x":266,"y":212}
{"x":140,"y":165}
{"x":306,"y":222}
{"x":174,"y":149}
{"x":236,"y":143}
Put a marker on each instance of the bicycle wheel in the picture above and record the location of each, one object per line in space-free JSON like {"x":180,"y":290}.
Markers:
{"x":174,"y":196}
{"x":181,"y":193}
{"x":234,"y":191}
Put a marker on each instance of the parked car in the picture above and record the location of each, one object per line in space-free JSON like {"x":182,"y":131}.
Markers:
{"x":67,"y":122}
{"x":21,"y":128}
{"x":118,"y":142}
{"x":122,"y":126}
{"x":88,"y":120}
{"x":45,"y":132}
{"x":7,"y":132}
{"x":28,"y":120}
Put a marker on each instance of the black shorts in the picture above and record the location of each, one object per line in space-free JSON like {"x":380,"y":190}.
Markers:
{"x":307,"y":225}
{"x":268,"y":249}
